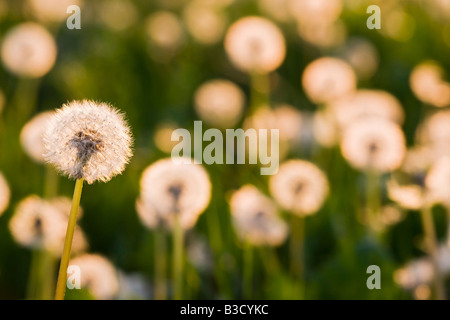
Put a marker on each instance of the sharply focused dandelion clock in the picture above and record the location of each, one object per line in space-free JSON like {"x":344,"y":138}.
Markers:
{"x":86,"y":141}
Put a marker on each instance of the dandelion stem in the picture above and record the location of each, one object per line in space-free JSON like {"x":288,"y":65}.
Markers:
{"x":62,"y":276}
{"x":270,"y":260}
{"x":373,"y":199}
{"x":247,"y":271}
{"x":160,"y":265}
{"x":260,"y":87}
{"x":33,"y":279}
{"x":297,"y":249}
{"x":432,"y":248}
{"x":178,"y":239}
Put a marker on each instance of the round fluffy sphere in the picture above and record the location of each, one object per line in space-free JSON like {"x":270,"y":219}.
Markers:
{"x":88,"y":140}
{"x":255,"y":45}
{"x":29,"y":50}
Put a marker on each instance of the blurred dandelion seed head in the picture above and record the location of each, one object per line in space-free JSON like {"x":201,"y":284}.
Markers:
{"x":326,"y":79}
{"x":428,"y":84}
{"x":374,"y":144}
{"x":169,"y":189}
{"x":88,"y":140}
{"x":313,"y":10}
{"x":421,"y":272}
{"x":255,"y":45}
{"x":438,"y":180}
{"x":28,"y":50}
{"x":362,"y":55}
{"x":325,"y":129}
{"x":51,"y":10}
{"x":434,"y":133}
{"x":220,"y":103}
{"x":414,"y":274}
{"x":285,"y":118}
{"x":367,"y":103}
{"x":98,"y":275}
{"x":165,"y":30}
{"x":32,"y":134}
{"x":322,"y":34}
{"x":163,"y":136}
{"x":39,"y":224}
{"x":32,"y":220}
{"x":118,"y":15}
{"x":299,"y":187}
{"x":276,"y":9}
{"x":205,"y":22}
{"x":408,"y":196}
{"x":255,"y":217}
{"x":5,"y":194}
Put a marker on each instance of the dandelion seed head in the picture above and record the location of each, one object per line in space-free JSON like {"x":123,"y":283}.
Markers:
{"x":326,"y":79}
{"x":417,"y":159}
{"x":5,"y":194}
{"x":170,"y":189}
{"x":98,"y":275}
{"x":205,"y":22}
{"x":325,"y":129}
{"x":147,"y":214}
{"x":391,"y":215}
{"x":422,"y":292}
{"x":32,"y":220}
{"x":276,"y":9}
{"x":163,"y":136}
{"x":255,"y":44}
{"x":88,"y":140}
{"x":367,"y":103}
{"x":284,"y":117}
{"x":39,"y":224}
{"x":31,"y":136}
{"x":375,"y":144}
{"x":408,"y":196}
{"x":28,"y":50}
{"x":50,"y":10}
{"x":255,"y":217}
{"x":322,"y":34}
{"x":220,"y":103}
{"x":165,"y":30}
{"x":299,"y":187}
{"x":435,"y":129}
{"x":415,"y":273}
{"x":428,"y":85}
{"x":362,"y":55}
{"x":118,"y":15}
{"x":438,"y":180}
{"x":313,"y":10}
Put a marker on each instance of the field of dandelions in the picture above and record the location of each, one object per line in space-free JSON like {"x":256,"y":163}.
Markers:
{"x":87,"y":179}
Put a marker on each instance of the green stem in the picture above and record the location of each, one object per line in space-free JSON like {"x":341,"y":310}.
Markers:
{"x":270,"y":260}
{"x":297,"y":247}
{"x":47,"y":274}
{"x":373,"y":205}
{"x":160,"y":265}
{"x":432,"y":248}
{"x":33,"y":277}
{"x":260,"y":91}
{"x":247,"y":271}
{"x":62,"y":276}
{"x":178,"y":242}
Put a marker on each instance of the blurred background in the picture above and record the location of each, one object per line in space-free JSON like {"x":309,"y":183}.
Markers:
{"x":367,"y":107}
